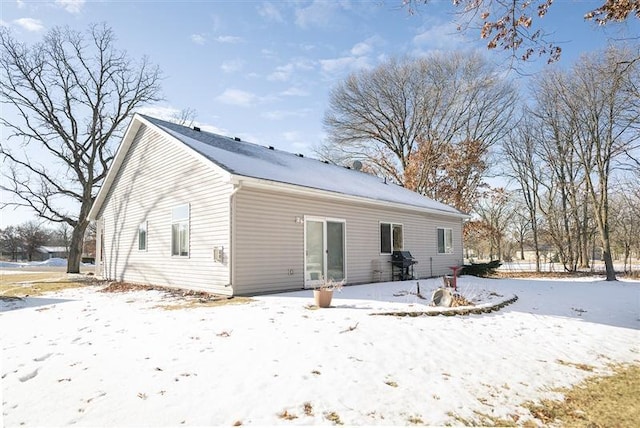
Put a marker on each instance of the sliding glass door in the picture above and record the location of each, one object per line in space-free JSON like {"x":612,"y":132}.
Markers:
{"x":324,"y":251}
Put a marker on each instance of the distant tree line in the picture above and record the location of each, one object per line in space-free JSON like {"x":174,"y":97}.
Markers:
{"x":574,"y":158}
{"x":503,"y":230}
{"x":569,"y":153}
{"x":21,"y":242}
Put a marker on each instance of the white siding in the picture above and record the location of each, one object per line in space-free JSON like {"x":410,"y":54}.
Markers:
{"x":269,"y":242}
{"x":156,"y":176}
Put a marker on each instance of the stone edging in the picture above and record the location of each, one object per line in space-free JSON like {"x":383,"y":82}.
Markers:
{"x":464,"y":310}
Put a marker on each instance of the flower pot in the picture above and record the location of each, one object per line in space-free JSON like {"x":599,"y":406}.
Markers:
{"x":323,"y":298}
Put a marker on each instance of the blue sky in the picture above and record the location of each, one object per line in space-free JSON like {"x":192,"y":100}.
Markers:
{"x":262,"y":70}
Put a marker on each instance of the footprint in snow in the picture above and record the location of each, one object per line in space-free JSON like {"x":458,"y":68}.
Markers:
{"x":44,"y":357}
{"x":28,"y":376}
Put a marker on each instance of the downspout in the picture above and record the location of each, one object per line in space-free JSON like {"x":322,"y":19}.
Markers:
{"x":99,"y":272}
{"x":232,"y":227}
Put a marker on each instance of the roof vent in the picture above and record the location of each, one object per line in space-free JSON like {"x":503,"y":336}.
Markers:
{"x":300,"y":155}
{"x":271,"y":148}
{"x":237,"y":138}
{"x":195,"y":128}
{"x":357,"y":165}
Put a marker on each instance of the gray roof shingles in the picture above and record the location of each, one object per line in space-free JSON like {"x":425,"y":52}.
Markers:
{"x":251,"y":160}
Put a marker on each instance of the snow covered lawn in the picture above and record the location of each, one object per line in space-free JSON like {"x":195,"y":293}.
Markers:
{"x":87,"y":358}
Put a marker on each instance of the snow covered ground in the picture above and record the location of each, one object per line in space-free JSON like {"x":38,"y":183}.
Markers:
{"x":54,"y":262}
{"x":596,"y":266}
{"x":84,"y":358}
{"x":22,"y":267}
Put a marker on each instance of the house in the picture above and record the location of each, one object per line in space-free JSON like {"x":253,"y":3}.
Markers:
{"x":186,"y":208}
{"x":39,"y":254}
{"x":49,"y":252}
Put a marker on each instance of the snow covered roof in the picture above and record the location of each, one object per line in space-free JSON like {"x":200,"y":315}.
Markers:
{"x":251,"y":160}
{"x":50,"y":249}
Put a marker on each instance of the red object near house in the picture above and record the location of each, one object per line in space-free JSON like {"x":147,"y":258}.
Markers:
{"x":455,"y":279}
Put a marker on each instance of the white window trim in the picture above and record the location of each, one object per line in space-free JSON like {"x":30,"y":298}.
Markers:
{"x":451,"y":251}
{"x":146,"y":235}
{"x":178,"y":221}
{"x":391,"y":224}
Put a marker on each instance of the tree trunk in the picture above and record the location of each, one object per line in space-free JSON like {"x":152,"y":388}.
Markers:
{"x":627,"y":251}
{"x":536,"y":246}
{"x":584,"y":250}
{"x":568,"y":258}
{"x":521,"y":243}
{"x":77,"y":236}
{"x":606,"y":250}
{"x":608,"y":264}
{"x":75,"y":249}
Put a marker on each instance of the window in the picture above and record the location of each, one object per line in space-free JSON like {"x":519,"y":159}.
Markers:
{"x":391,"y":238}
{"x":445,"y":241}
{"x":142,"y":236}
{"x":180,"y":231}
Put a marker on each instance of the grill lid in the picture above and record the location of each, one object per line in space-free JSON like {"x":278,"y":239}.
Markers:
{"x":401,"y":255}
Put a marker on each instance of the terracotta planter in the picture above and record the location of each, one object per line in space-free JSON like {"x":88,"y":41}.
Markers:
{"x":323,"y":298}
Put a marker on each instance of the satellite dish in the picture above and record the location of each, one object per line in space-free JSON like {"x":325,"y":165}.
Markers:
{"x":357,"y":165}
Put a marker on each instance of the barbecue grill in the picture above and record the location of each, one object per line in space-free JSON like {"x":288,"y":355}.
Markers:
{"x":402,"y":265}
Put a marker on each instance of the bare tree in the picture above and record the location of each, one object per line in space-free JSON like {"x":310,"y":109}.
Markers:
{"x":32,"y":235}
{"x":496,"y":211}
{"x":606,"y":115}
{"x":425,"y":123}
{"x":562,"y":200}
{"x":625,"y":221}
{"x":10,"y":242}
{"x":66,"y":98}
{"x":62,"y":236}
{"x":184,"y":117}
{"x":520,"y":151}
{"x":521,"y":230}
{"x":588,"y":118}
